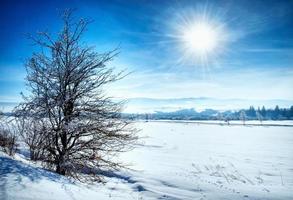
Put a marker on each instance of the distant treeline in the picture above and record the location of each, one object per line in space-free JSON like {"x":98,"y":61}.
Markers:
{"x":209,"y":114}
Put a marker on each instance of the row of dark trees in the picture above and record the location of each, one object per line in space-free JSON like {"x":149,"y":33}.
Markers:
{"x":269,"y":114}
{"x":209,"y":114}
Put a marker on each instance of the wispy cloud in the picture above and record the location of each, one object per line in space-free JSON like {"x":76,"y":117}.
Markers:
{"x":269,"y":50}
{"x":241,"y":83}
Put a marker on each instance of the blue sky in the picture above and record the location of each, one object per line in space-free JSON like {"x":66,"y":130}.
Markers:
{"x":254,"y":62}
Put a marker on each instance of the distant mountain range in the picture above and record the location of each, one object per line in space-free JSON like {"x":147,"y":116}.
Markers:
{"x":7,"y":106}
{"x":259,"y":114}
{"x":151,"y":105}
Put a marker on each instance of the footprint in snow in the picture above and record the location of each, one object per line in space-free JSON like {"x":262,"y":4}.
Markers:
{"x":265,"y":189}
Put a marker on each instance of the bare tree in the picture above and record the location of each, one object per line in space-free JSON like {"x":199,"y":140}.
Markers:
{"x":242,"y":116}
{"x":220,"y":117}
{"x":259,"y":117}
{"x":83,"y":128}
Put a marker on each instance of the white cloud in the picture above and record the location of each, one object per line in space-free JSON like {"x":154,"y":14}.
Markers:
{"x":244,"y":83}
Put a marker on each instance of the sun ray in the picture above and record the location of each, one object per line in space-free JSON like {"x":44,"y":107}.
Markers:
{"x":200,"y":36}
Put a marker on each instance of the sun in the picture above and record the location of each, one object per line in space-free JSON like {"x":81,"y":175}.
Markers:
{"x":202,"y":41}
{"x":200,"y":38}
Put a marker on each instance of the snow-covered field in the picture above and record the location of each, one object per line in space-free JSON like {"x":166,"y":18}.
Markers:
{"x":175,"y":161}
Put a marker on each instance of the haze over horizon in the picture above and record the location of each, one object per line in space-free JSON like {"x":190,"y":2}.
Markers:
{"x":152,"y":105}
{"x":248,"y":55}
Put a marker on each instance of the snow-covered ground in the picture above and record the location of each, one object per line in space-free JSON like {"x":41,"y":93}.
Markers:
{"x":175,"y":161}
{"x":233,"y":122}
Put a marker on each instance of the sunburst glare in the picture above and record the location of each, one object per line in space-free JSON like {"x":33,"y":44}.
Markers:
{"x":201,"y":36}
{"x":202,"y":41}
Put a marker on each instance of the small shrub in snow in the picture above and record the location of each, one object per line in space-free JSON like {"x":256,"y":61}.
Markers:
{"x":8,"y":137}
{"x":33,"y":132}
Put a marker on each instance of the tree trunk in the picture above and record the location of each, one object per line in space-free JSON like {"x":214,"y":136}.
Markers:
{"x":60,"y":170}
